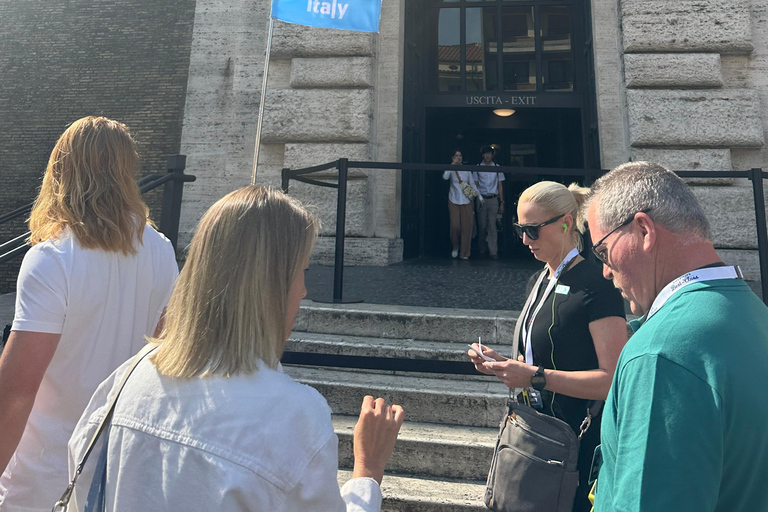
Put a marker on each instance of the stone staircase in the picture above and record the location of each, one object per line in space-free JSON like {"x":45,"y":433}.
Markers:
{"x":445,"y":445}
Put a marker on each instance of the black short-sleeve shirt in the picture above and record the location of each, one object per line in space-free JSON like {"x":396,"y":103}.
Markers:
{"x":560,"y":333}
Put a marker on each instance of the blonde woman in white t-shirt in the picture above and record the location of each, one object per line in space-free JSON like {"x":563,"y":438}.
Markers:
{"x":210,"y":421}
{"x":93,"y":285}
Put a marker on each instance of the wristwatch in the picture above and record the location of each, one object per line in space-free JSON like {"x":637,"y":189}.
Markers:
{"x":538,"y":381}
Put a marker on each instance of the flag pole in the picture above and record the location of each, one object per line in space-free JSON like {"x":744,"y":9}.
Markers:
{"x":261,"y":102}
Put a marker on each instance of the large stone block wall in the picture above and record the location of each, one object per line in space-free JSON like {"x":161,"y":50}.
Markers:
{"x":326,"y":99}
{"x":689,"y":80}
{"x":318,"y":115}
{"x":225,"y":74}
{"x":683,"y":118}
{"x":719,"y":26}
{"x":290,"y":41}
{"x":62,"y":60}
{"x":673,"y":70}
{"x":323,"y":201}
{"x":613,"y":125}
{"x":332,"y":72}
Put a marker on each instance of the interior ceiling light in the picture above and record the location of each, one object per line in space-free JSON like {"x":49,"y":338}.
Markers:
{"x":503,"y":112}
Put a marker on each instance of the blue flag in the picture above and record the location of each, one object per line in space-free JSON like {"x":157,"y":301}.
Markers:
{"x":358,"y":15}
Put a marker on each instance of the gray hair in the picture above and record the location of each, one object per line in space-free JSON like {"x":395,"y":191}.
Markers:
{"x":637,"y":186}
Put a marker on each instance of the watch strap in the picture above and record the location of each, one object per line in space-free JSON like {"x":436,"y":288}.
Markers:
{"x":538,"y":381}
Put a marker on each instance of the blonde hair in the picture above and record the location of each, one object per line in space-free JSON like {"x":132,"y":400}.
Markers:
{"x":557,"y":199}
{"x":90,"y":187}
{"x":228,"y":309}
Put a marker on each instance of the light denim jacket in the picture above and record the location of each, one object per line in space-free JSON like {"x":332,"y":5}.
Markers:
{"x":250,"y":442}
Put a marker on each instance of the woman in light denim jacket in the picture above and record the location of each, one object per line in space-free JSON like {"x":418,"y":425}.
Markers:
{"x":209,"y":421}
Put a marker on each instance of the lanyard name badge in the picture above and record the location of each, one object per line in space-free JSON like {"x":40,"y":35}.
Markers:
{"x":528,"y":318}
{"x":696,"y":276}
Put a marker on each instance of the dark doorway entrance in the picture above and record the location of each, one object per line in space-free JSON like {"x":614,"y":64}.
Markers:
{"x":545,"y":137}
{"x":463,"y":60}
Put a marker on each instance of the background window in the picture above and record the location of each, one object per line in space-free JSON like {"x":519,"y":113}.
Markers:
{"x":482,"y":48}
{"x":509,"y":45}
{"x":519,"y":48}
{"x":449,"y":50}
{"x":556,"y":48}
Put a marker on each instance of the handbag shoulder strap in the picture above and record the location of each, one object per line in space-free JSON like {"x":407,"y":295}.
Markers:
{"x":64,"y":500}
{"x":458,"y":177}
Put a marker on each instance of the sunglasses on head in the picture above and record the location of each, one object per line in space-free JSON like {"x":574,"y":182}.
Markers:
{"x":532,"y":230}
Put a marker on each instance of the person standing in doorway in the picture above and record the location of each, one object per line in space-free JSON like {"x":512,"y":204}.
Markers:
{"x":460,"y":207}
{"x":492,"y":192}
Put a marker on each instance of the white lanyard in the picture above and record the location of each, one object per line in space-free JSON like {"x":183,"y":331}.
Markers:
{"x":696,"y":276}
{"x":528,"y":319}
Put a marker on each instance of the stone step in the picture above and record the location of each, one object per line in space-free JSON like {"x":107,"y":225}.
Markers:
{"x":413,"y":494}
{"x":399,"y":322}
{"x":427,"y":449}
{"x":436,"y":399}
{"x":314,"y":343}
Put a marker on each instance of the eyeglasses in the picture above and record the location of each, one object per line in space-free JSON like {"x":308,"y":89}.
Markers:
{"x":602,"y":254}
{"x":532,"y":230}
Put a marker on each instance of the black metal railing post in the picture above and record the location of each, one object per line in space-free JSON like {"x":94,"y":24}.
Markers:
{"x":756,"y":177}
{"x":341,"y":218}
{"x":286,"y":180}
{"x":172,"y":192}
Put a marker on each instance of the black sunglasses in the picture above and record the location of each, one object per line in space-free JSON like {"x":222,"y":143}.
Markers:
{"x":532,"y":230}
{"x":602,"y":254}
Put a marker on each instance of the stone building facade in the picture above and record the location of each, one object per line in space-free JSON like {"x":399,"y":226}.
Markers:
{"x":331,"y":94}
{"x":684,"y":84}
{"x":681,"y":83}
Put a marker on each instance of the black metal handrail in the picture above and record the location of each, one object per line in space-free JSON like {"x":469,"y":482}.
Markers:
{"x":18,"y":212}
{"x":756,"y":176}
{"x":23,"y":210}
{"x":170,"y":214}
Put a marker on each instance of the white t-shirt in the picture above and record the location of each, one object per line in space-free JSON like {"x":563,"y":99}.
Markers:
{"x":488,"y":182}
{"x":455,"y":195}
{"x":103,"y":304}
{"x":249,"y":442}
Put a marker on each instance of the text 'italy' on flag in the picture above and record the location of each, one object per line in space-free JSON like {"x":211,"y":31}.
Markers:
{"x":357,"y":15}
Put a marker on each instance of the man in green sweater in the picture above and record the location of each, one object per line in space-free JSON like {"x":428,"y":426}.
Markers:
{"x":685,"y":425}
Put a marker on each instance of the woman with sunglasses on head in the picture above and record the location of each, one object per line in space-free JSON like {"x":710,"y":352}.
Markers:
{"x":572,"y":328}
{"x":209,"y":421}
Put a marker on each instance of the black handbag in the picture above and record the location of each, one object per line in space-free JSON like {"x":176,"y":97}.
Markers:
{"x":534,"y":463}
